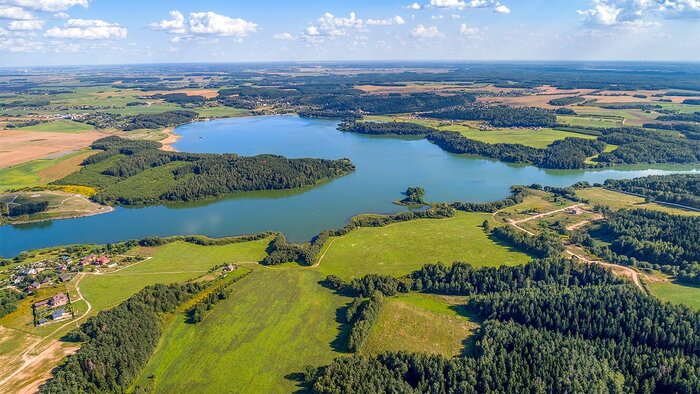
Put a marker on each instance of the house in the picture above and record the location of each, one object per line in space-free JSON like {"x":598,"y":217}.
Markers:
{"x":87,"y":260}
{"x":230,"y":267}
{"x":34,"y":286}
{"x":58,"y":314}
{"x":59,"y":300}
{"x":42,"y":321}
{"x":62,"y":267}
{"x":41,"y":304}
{"x":46,"y":281}
{"x":64,"y":277}
{"x":102,"y":260}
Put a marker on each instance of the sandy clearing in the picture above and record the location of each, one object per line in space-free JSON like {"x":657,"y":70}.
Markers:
{"x":208,"y":93}
{"x":38,"y":370}
{"x":23,"y":146}
{"x":169,"y":140}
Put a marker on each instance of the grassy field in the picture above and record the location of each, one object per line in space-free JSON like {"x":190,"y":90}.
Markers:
{"x":41,"y":172}
{"x":61,"y":205}
{"x":421,"y":323}
{"x":401,"y":248}
{"x":591,"y":121}
{"x":616,"y":200}
{"x":676,"y":293}
{"x":275,"y":322}
{"x":60,"y":126}
{"x":537,"y":138}
{"x":174,"y":262}
{"x":221,"y":112}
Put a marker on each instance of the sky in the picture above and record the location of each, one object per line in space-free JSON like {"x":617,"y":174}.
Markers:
{"x":75,"y":32}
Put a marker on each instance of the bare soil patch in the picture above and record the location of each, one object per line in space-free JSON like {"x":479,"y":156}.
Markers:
{"x":23,"y":146}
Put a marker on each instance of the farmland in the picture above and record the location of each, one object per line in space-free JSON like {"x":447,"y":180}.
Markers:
{"x":41,"y":171}
{"x":400,"y":248}
{"x":617,"y":200}
{"x":537,"y":138}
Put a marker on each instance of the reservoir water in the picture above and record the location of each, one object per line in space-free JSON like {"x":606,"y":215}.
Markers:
{"x":385,"y":167}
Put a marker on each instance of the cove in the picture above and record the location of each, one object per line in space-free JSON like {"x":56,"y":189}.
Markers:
{"x":386,"y":166}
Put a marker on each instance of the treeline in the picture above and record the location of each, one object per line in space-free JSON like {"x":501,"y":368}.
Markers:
{"x":362,"y":315}
{"x":28,"y":208}
{"x":543,"y":245}
{"x":562,"y":101}
{"x":8,"y":301}
{"x":197,"y":312}
{"x":518,"y":194}
{"x":683,"y":189}
{"x":385,"y":128}
{"x":650,"y":239}
{"x":500,"y":116}
{"x":280,"y":251}
{"x":200,"y":175}
{"x":694,"y":117}
{"x":155,"y":121}
{"x":180,"y":98}
{"x":379,"y":104}
{"x":118,"y":342}
{"x":637,"y":145}
{"x":689,"y":130}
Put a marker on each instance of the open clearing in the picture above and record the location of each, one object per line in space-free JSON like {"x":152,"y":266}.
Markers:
{"x":537,"y":138}
{"x":61,"y":205}
{"x":18,"y":146}
{"x":41,"y":171}
{"x":400,"y":248}
{"x":617,"y":200}
{"x":421,"y":323}
{"x":676,"y":293}
{"x":591,"y":121}
{"x":173,"y":262}
{"x":59,"y":126}
{"x":275,"y":322}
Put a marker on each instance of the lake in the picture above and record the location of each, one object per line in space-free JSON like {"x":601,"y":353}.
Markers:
{"x":385,"y":167}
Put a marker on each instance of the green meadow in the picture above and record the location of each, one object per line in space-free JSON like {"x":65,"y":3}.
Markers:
{"x":401,"y":248}
{"x":274,"y":323}
{"x":676,"y":293}
{"x":41,"y":171}
{"x":59,"y":126}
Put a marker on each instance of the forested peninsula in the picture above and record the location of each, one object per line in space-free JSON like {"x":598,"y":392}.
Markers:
{"x":130,"y":172}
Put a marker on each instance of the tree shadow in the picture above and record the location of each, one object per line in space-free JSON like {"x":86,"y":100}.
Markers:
{"x":340,"y":343}
{"x":468,"y":343}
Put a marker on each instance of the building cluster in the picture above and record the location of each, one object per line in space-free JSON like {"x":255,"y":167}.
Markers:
{"x":36,"y":275}
{"x":52,"y":309}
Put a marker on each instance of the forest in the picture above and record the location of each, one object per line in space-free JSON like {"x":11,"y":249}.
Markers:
{"x":196,"y":176}
{"x":500,"y":116}
{"x":28,"y":208}
{"x":562,"y":101}
{"x":683,"y":189}
{"x":648,"y":239}
{"x":549,"y":326}
{"x":8,"y":301}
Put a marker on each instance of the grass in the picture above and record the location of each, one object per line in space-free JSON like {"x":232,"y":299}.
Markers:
{"x":421,"y":323}
{"x":60,"y":126}
{"x":676,"y":293}
{"x":221,"y":112}
{"x":275,"y":322}
{"x":536,"y":138}
{"x":170,"y":263}
{"x":61,"y":205}
{"x":591,"y":121}
{"x":616,"y":200}
{"x":42,"y":171}
{"x":401,"y":248}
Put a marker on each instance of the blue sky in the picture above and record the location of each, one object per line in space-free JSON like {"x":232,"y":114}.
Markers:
{"x":56,"y":32}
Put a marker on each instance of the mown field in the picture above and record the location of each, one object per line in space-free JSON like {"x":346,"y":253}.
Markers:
{"x":59,"y":126}
{"x":616,"y":200}
{"x":537,"y":138}
{"x":591,"y":121}
{"x":401,"y":248}
{"x":42,"y":171}
{"x":275,"y":322}
{"x":676,"y":293}
{"x":422,"y":323}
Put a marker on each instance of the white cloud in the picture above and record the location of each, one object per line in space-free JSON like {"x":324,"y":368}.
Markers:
{"x":501,"y":9}
{"x":61,"y":15}
{"x":397,"y":20}
{"x":471,"y":32}
{"x":88,"y":29}
{"x":681,"y":8}
{"x":414,"y":6}
{"x":284,"y":36}
{"x":18,"y":13}
{"x":461,"y":4}
{"x":423,"y":32}
{"x":211,"y":23}
{"x":47,"y":5}
{"x":25,"y":25}
{"x":456,"y":16}
{"x":176,"y":25}
{"x":21,"y":45}
{"x":636,"y":14}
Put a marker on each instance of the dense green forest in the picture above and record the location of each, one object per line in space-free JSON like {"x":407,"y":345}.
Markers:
{"x":155,"y":121}
{"x":8,"y":301}
{"x":500,"y":116}
{"x":118,"y":342}
{"x":28,"y":208}
{"x":648,"y":239}
{"x":562,"y":101}
{"x":549,"y":326}
{"x":187,"y":176}
{"x":681,"y":189}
